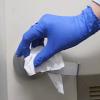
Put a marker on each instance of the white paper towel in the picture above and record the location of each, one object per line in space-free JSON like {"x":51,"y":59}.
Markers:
{"x":53,"y":64}
{"x":57,"y":81}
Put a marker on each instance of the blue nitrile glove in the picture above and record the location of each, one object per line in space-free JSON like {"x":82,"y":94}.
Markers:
{"x":63,"y":32}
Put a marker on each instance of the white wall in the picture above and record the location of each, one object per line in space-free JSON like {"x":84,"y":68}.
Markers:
{"x":3,"y":72}
{"x":87,"y":54}
{"x":20,"y":14}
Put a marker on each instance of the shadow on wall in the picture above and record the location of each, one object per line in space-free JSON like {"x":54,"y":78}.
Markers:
{"x":87,"y":54}
{"x":18,"y":64}
{"x":88,"y":58}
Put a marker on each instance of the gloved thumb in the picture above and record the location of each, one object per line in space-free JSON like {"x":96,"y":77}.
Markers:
{"x":47,"y":52}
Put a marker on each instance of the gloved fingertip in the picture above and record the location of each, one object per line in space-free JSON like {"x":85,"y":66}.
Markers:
{"x":37,"y":62}
{"x":26,"y":54}
{"x":18,"y":54}
{"x":42,"y":56}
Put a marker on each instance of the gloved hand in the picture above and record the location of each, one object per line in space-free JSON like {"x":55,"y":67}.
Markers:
{"x":63,"y":32}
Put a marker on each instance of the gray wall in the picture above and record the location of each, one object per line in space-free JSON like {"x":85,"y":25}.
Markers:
{"x":3,"y":72}
{"x":19,"y":15}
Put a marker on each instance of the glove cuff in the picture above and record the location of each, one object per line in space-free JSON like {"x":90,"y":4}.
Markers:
{"x":92,"y":22}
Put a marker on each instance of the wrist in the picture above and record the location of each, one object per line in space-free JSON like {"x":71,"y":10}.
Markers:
{"x":96,"y":9}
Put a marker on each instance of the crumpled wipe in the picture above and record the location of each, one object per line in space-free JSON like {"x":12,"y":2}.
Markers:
{"x":53,"y":64}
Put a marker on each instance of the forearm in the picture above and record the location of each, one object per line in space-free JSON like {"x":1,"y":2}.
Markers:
{"x":96,"y":9}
